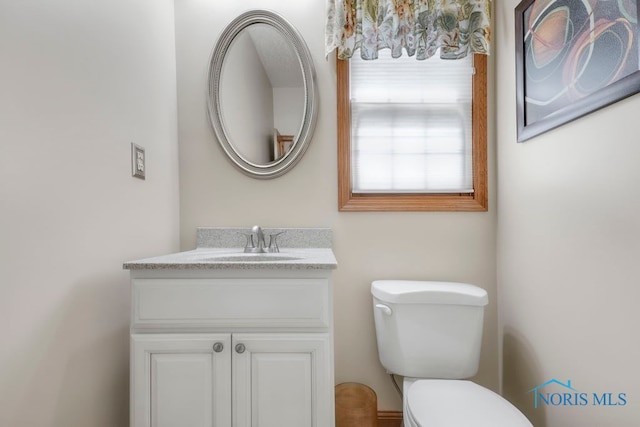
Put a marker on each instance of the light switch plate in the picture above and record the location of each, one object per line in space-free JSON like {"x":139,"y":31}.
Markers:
{"x":138,"y":167}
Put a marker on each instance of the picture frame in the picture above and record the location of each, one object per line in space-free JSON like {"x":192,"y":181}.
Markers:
{"x":573,"y":57}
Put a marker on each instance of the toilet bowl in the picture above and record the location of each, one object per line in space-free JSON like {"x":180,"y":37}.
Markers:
{"x":458,"y":403}
{"x":430,"y":333}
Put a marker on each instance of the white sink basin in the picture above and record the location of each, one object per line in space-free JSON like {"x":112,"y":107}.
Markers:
{"x":249,"y":257}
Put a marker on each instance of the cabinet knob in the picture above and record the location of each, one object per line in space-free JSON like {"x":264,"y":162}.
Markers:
{"x":240,"y":348}
{"x":218,"y":347}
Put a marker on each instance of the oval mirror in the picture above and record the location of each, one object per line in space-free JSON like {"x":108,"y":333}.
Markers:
{"x":262,"y":94}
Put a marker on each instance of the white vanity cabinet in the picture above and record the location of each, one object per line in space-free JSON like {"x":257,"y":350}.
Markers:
{"x":177,"y":379}
{"x":231,"y":347}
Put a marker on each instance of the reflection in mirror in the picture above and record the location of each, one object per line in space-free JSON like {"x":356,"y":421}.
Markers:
{"x":262,"y":94}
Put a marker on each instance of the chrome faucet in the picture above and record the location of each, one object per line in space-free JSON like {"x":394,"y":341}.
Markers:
{"x":257,"y":244}
{"x":257,"y":239}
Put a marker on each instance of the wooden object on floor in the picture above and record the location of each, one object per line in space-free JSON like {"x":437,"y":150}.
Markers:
{"x":356,"y":406}
{"x":389,"y":419}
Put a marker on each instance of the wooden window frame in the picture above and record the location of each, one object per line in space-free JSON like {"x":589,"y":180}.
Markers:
{"x":471,"y":202}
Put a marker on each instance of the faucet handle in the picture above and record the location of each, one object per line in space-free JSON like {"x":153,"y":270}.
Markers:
{"x":249,"y":245}
{"x":273,"y":242}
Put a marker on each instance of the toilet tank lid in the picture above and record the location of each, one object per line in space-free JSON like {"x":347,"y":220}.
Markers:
{"x":428,"y":292}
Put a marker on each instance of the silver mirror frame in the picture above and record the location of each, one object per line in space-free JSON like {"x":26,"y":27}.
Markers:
{"x":309,"y":118}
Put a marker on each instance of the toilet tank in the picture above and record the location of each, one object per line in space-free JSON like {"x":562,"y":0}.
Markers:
{"x":429,"y":329}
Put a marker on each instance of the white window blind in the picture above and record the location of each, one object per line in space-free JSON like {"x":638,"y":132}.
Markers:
{"x":411,"y":129}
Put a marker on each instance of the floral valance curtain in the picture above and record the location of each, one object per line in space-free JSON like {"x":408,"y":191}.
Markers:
{"x":420,"y":27}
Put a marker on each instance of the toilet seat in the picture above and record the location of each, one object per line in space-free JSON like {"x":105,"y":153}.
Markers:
{"x":459,"y":403}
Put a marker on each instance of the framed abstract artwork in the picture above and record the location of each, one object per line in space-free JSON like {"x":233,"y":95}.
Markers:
{"x":572,"y":58}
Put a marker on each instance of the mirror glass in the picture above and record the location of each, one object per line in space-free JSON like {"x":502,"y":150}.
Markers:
{"x":262,"y":94}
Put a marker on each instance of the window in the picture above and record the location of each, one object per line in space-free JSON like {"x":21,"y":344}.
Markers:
{"x":411,"y":145}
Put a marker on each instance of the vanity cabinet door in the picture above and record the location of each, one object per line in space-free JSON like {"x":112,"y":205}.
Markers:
{"x":181,"y":380}
{"x":282,"y":380}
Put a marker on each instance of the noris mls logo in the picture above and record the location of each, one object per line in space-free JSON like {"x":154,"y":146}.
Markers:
{"x":557,"y":393}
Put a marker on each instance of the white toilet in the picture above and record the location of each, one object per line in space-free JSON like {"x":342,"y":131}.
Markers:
{"x":430,"y":333}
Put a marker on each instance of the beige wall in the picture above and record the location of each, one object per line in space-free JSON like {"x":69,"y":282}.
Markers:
{"x":442,"y":246}
{"x":568,"y":250}
{"x":80,"y":81}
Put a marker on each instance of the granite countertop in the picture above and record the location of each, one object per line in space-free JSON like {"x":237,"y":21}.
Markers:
{"x":224,"y":258}
{"x":223,"y":248}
